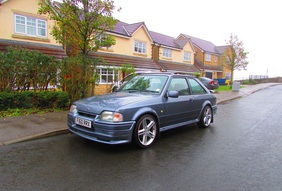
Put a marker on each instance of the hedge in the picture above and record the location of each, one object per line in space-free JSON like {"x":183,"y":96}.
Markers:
{"x":31,"y":99}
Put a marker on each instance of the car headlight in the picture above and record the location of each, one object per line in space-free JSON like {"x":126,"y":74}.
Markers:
{"x":73,"y":109}
{"x":111,"y":116}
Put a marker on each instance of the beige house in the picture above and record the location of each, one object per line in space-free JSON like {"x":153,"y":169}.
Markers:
{"x":22,"y":26}
{"x":207,"y":58}
{"x":173,"y":55}
{"x":135,"y":45}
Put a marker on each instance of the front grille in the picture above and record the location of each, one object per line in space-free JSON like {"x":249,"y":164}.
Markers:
{"x":89,"y":115}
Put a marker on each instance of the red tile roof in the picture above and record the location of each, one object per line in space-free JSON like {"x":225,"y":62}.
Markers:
{"x":178,"y":67}
{"x":201,"y":66}
{"x":50,"y":50}
{"x":204,"y":45}
{"x":118,"y":60}
{"x":164,"y":40}
{"x":221,"y":49}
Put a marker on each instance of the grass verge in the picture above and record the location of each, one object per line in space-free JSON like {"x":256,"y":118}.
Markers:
{"x":225,"y":88}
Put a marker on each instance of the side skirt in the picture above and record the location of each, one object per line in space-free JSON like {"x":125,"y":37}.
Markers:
{"x":178,"y":125}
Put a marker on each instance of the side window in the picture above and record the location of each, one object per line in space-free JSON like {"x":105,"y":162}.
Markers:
{"x":180,"y":85}
{"x":196,"y":88}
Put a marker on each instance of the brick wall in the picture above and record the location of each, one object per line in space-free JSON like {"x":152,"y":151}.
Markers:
{"x":102,"y":89}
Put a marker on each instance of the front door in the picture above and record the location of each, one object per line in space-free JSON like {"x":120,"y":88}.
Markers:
{"x":178,"y":110}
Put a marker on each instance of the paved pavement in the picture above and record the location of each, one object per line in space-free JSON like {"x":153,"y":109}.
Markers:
{"x":35,"y":126}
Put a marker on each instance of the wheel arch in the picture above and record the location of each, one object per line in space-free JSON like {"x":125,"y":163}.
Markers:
{"x":144,"y":111}
{"x":206,"y":103}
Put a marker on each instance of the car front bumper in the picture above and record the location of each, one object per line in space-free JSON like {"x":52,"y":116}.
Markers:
{"x":103,"y":132}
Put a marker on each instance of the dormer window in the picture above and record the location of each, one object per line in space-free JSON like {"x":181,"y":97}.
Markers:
{"x":207,"y":57}
{"x":167,"y":53}
{"x":140,"y":47}
{"x":30,"y":26}
{"x":187,"y":56}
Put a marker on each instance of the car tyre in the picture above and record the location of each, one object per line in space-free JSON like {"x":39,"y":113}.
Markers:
{"x":145,"y":131}
{"x":206,"y":117}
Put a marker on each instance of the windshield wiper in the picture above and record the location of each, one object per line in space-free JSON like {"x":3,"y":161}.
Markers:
{"x":130,"y":90}
{"x":151,"y":91}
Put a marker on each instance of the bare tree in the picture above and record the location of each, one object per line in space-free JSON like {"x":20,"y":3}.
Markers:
{"x":235,"y":57}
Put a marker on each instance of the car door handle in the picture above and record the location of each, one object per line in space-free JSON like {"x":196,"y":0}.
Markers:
{"x":191,"y":99}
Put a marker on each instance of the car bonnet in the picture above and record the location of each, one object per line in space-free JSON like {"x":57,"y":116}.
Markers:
{"x":109,"y":102}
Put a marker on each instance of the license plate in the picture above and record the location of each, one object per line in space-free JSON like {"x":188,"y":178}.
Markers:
{"x":82,"y":122}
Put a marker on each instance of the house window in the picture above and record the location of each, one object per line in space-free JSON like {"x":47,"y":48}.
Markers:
{"x":103,"y":40}
{"x":167,"y":53}
{"x":187,"y":56}
{"x":140,"y":47}
{"x":207,"y":57}
{"x":107,"y":75}
{"x":30,"y":26}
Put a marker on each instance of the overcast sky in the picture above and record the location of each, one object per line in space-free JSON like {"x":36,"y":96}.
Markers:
{"x":257,"y":23}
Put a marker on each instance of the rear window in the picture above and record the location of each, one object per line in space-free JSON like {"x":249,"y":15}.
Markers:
{"x":196,"y":88}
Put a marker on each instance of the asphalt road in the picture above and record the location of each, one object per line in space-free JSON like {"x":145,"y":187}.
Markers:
{"x":242,"y":150}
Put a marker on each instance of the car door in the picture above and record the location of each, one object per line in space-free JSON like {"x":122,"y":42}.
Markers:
{"x":200,"y":95}
{"x":178,"y":110}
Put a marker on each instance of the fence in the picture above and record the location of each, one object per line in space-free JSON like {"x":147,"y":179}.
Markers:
{"x":266,"y":80}
{"x":255,"y":77}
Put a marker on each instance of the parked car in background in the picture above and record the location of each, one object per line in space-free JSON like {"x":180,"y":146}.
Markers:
{"x":142,"y":108}
{"x":209,"y":83}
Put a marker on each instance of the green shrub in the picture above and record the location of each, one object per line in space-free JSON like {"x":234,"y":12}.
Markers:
{"x":246,"y":82}
{"x":23,"y":99}
{"x":63,"y":100}
{"x":40,"y":100}
{"x":21,"y":69}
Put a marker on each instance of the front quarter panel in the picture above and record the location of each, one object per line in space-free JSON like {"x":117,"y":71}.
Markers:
{"x":154,"y":107}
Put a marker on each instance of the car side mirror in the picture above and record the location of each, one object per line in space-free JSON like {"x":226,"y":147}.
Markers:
{"x":114,"y":89}
{"x":173,"y":94}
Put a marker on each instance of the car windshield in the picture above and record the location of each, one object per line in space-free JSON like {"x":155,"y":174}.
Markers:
{"x":145,"y":83}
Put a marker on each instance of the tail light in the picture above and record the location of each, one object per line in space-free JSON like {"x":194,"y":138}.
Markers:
{"x":211,"y":82}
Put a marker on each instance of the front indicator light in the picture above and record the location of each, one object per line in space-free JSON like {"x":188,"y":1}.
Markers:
{"x":73,"y":109}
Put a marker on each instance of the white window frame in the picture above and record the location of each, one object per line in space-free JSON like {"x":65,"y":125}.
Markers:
{"x":167,"y":52}
{"x":102,"y":38}
{"x":208,"y":57}
{"x":26,"y":25}
{"x":140,"y":47}
{"x":107,"y":75}
{"x":187,"y":56}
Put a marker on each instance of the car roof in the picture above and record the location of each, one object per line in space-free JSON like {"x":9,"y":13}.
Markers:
{"x":168,"y":74}
{"x":205,"y":78}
